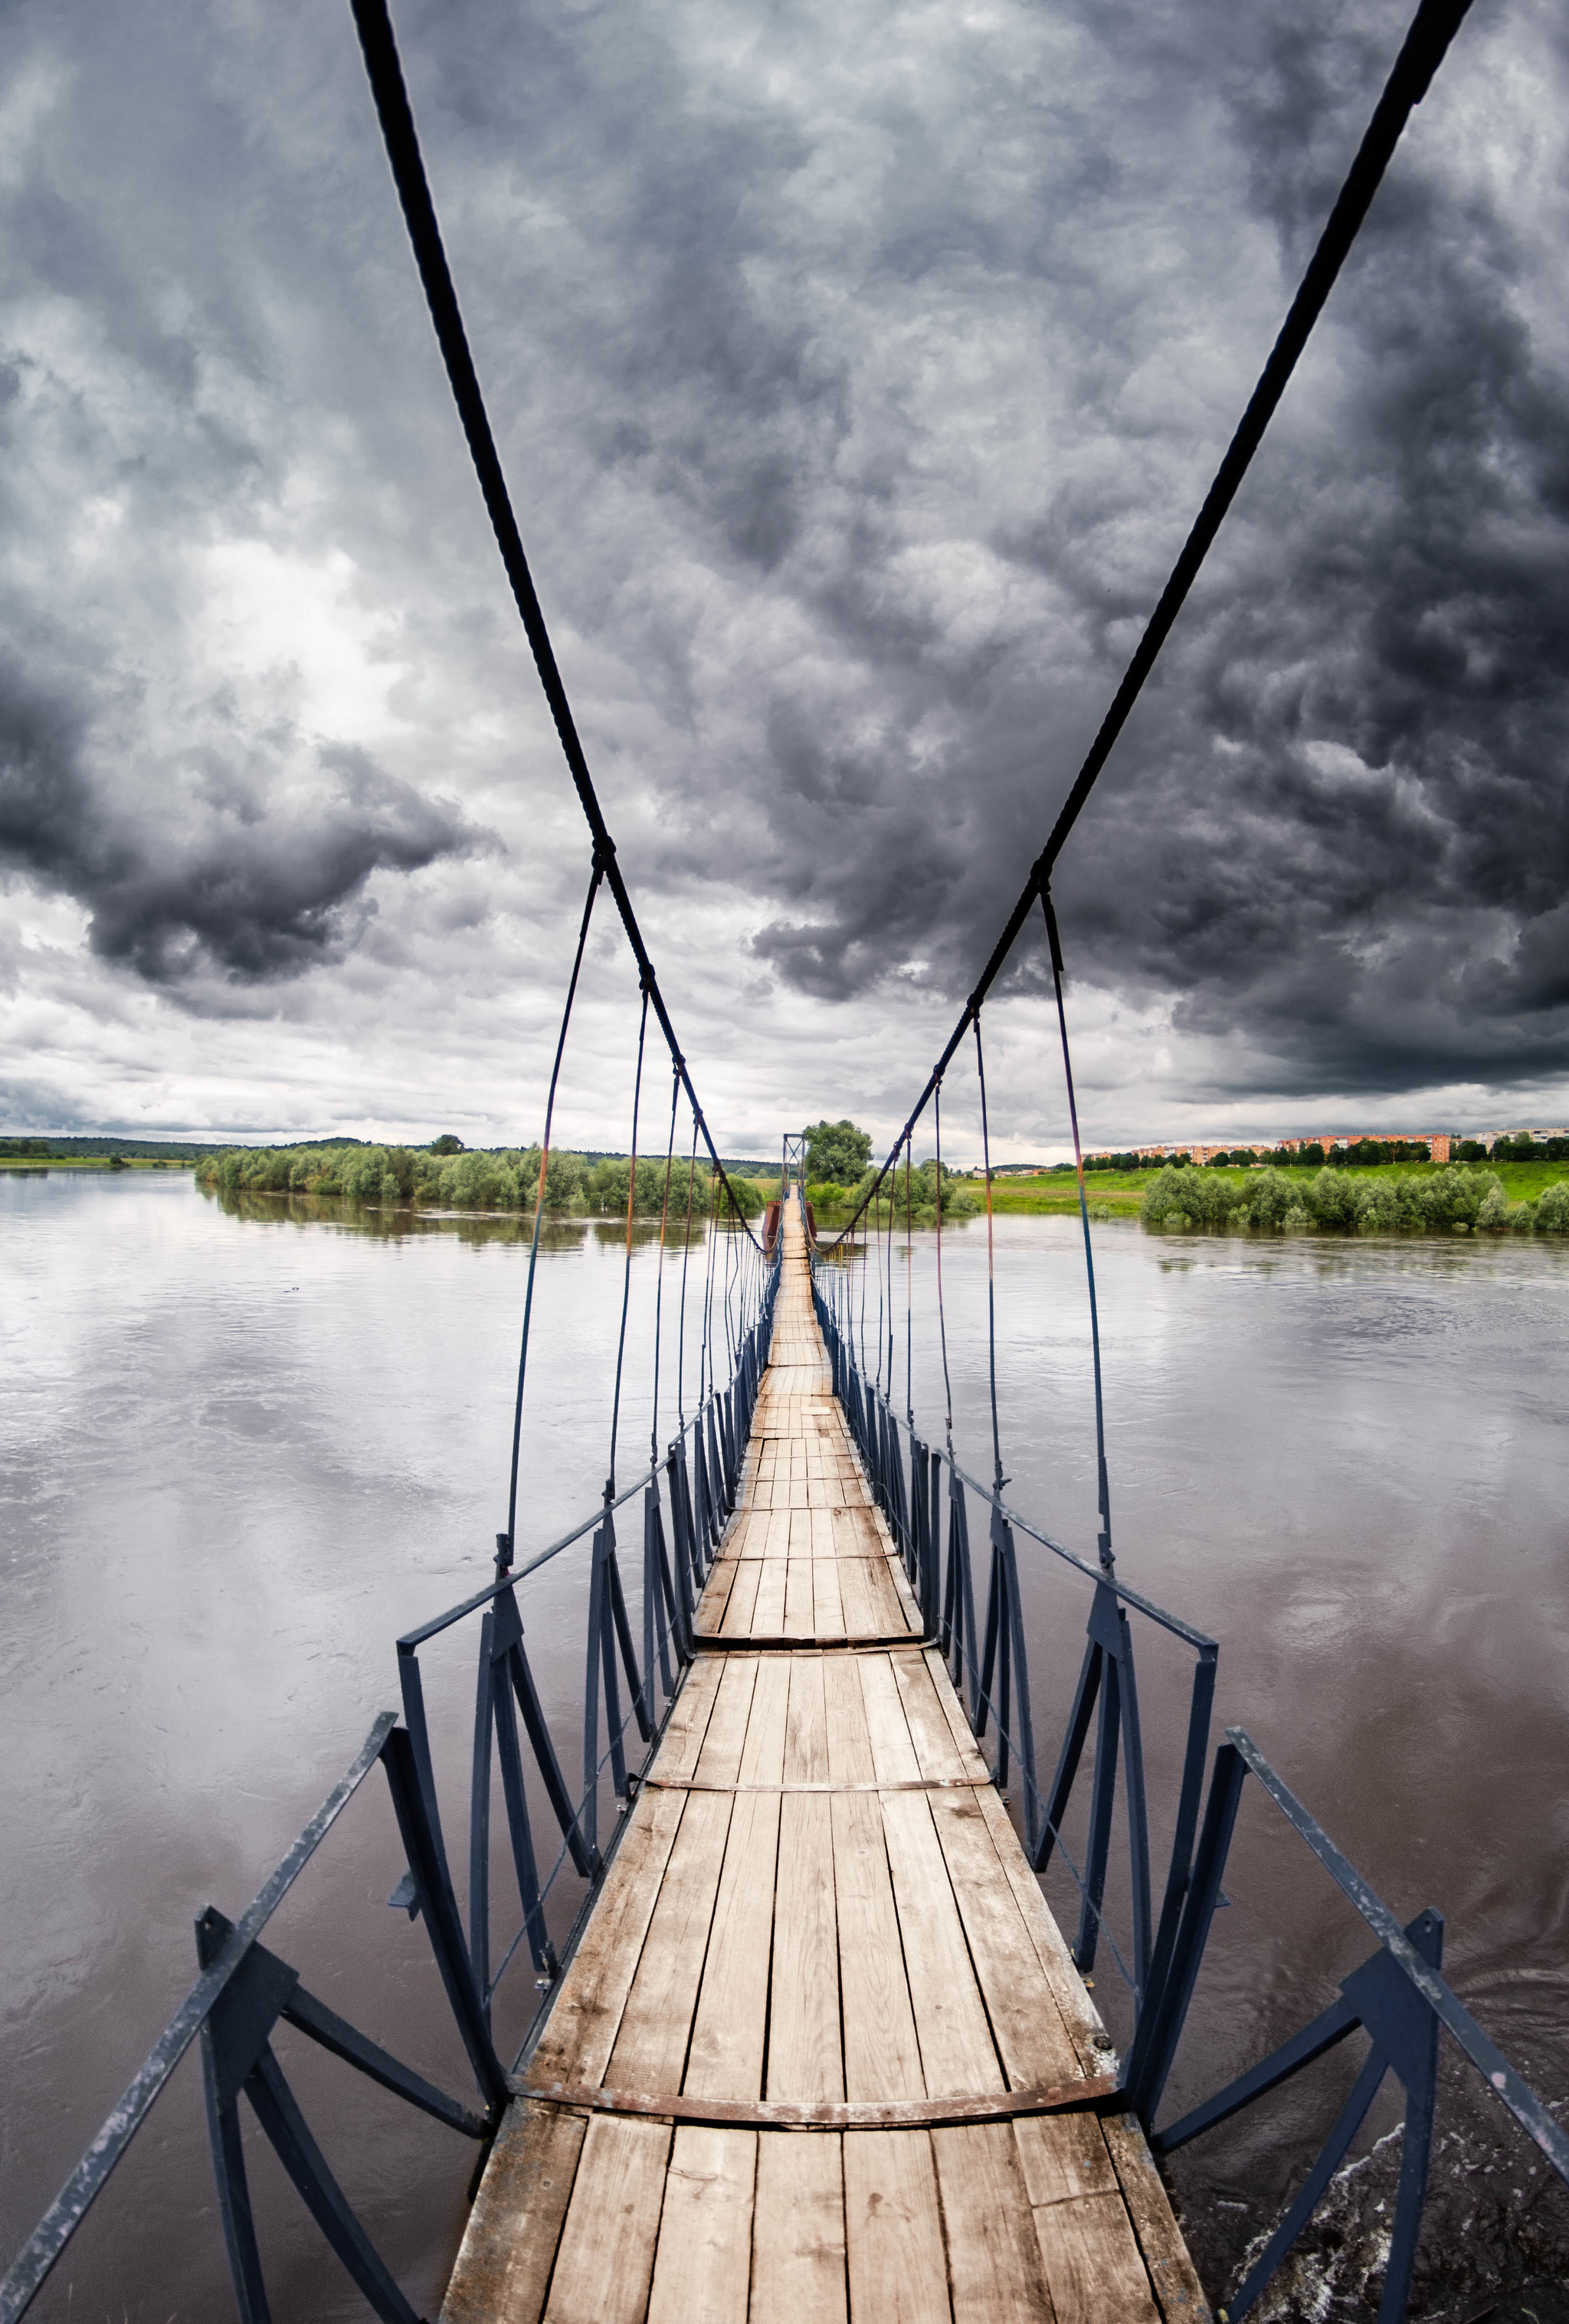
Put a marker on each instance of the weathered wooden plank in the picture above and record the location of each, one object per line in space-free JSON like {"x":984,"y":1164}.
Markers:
{"x":893,"y":1754}
{"x":893,"y":2231}
{"x":861,"y":1618}
{"x":737,"y":1621}
{"x":951,"y":1710}
{"x":1026,"y":2023}
{"x":1177,"y":2289}
{"x":885,"y":1611}
{"x":767,"y":1617}
{"x":850,"y":1757}
{"x":688,"y":1721}
{"x":1064,"y":2157}
{"x":606,"y":2257}
{"x":798,"y":2232}
{"x":581,"y":2029}
{"x":508,"y":2246}
{"x":703,"y":2265}
{"x":827,"y":1598}
{"x":881,"y":2052}
{"x":956,"y":2049}
{"x":725,"y":1739}
{"x":799,"y":1615}
{"x":716,"y":1598}
{"x":804,"y":2059}
{"x":730,"y":2027}
{"x":1093,"y":2264}
{"x":1077,"y":2011}
{"x":805,"y":1758}
{"x":762,"y":1757}
{"x":650,"y":2043}
{"x":994,"y":2263}
{"x":855,"y":1530}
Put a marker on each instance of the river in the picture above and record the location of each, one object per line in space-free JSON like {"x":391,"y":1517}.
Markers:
{"x":244,"y":1448}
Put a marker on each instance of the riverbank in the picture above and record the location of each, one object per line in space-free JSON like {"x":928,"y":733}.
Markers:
{"x":489,"y":1179}
{"x":43,"y":1164}
{"x":1120,"y":1193}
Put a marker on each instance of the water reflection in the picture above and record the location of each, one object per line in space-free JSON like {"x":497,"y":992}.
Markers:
{"x":391,"y":1222}
{"x":237,"y":1463}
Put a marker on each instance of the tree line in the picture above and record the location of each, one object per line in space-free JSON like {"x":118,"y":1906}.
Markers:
{"x":505,"y":1178}
{"x":1433,"y":1203}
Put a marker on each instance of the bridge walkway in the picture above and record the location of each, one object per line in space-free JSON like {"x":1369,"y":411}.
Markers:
{"x":818,"y":1939}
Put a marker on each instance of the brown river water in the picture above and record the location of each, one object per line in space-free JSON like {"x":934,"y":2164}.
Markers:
{"x":243,"y":1449}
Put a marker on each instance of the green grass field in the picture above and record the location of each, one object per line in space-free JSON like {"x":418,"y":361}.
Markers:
{"x":1120,"y":1191}
{"x":22,"y":1162}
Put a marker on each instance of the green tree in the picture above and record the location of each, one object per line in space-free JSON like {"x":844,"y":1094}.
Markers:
{"x":837,"y":1150}
{"x":446,"y":1144}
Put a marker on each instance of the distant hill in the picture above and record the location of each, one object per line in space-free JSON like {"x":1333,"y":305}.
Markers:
{"x":167,"y":1149}
{"x":151,"y":1149}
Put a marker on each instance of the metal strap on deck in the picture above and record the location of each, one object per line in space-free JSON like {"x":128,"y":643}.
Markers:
{"x":980,"y":1783}
{"x":1097,"y":2094}
{"x":711,"y":1644}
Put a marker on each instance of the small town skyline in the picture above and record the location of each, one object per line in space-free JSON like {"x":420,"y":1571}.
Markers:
{"x":1440,"y":1143}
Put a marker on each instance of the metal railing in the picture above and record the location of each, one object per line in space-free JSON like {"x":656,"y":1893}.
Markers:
{"x":244,"y":1990}
{"x":913,"y":1483}
{"x":240,"y":1996}
{"x":1398,"y":1995}
{"x":686,"y":1502}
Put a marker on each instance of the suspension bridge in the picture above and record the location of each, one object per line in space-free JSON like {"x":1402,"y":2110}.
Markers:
{"x":821,"y":2050}
{"x":808,"y":2043}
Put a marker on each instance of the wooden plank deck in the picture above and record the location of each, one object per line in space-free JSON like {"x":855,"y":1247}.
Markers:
{"x":818,"y":1898}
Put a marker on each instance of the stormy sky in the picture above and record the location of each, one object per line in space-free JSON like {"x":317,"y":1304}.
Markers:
{"x":857,"y":371}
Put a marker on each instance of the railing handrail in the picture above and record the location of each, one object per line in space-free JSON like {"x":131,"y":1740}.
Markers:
{"x":38,"y":2255}
{"x":1506,"y":2085}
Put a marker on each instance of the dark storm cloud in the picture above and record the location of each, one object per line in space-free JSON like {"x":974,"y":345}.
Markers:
{"x":1348,"y":829}
{"x":1340,"y":824}
{"x":857,"y":374}
{"x":230,"y":888}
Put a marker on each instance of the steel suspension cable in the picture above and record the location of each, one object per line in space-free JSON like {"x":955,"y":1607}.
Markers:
{"x":401,"y":138}
{"x":909,"y":1291}
{"x":642,"y":1027}
{"x":884,"y":1320}
{"x":1054,"y":943}
{"x":892,"y":1193}
{"x":506,"y":1543}
{"x":942,"y":1310}
{"x":660,"y":1279}
{"x":704,"y":1359}
{"x":998,"y":1479}
{"x":685,"y":1254}
{"x":1432,"y":30}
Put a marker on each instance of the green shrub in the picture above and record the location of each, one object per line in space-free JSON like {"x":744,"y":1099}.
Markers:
{"x":1454,"y":1200}
{"x":1331,"y":1198}
{"x":1190,"y":1198}
{"x":1270,"y":1196}
{"x":1552,"y":1210}
{"x":1493,"y":1216}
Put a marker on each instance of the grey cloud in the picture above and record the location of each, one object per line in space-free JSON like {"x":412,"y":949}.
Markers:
{"x":229,"y":888}
{"x":854,"y":417}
